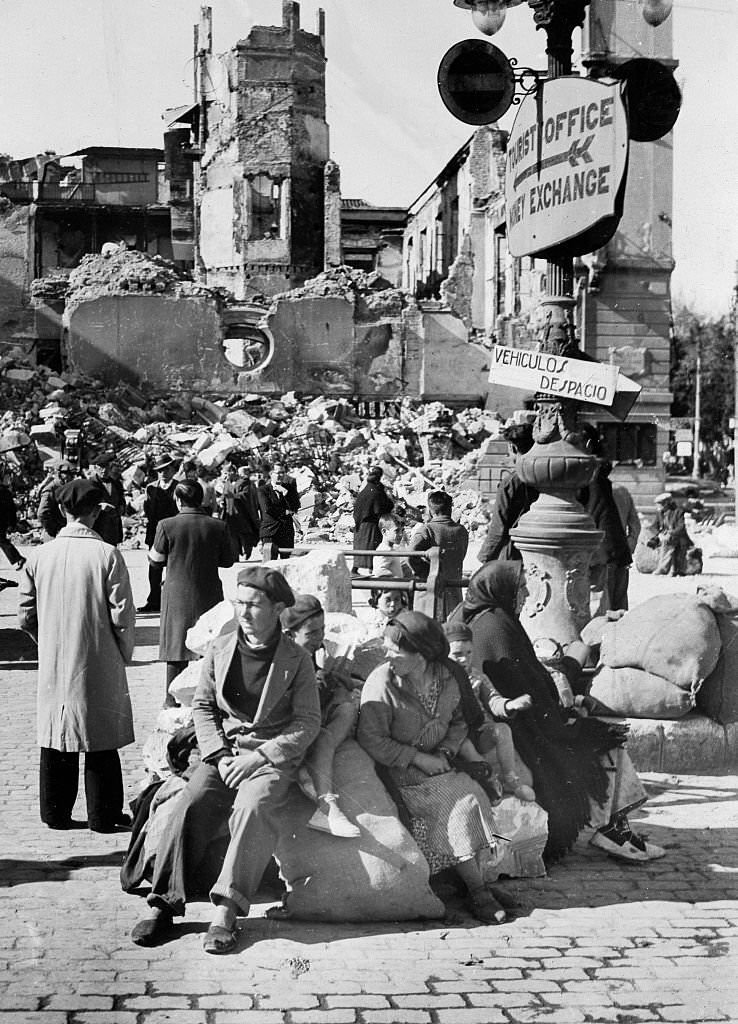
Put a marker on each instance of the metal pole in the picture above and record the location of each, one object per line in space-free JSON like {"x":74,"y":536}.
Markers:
{"x":735,"y":380}
{"x":697,"y":407}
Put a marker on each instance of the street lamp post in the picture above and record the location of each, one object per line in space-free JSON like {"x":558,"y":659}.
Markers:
{"x":556,"y":536}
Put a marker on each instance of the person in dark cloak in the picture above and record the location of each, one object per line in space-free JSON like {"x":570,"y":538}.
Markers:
{"x":192,"y":545}
{"x":372,"y":501}
{"x":581,"y":775}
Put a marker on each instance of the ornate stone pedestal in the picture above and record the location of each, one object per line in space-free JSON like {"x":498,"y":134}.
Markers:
{"x":556,"y":538}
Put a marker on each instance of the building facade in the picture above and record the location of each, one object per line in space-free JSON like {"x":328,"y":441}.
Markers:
{"x":261,"y":154}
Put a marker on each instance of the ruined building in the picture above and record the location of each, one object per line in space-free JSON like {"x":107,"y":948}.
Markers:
{"x":262,"y":150}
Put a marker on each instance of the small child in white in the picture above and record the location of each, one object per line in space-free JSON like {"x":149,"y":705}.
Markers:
{"x":305,"y":623}
{"x":496,"y":709}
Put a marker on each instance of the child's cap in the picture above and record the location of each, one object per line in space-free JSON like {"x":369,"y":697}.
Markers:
{"x":457,"y":630}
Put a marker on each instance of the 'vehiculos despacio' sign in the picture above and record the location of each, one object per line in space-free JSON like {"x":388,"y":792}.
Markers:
{"x":566,"y":163}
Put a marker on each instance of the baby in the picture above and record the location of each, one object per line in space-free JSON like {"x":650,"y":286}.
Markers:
{"x":496,"y":733}
{"x":305,"y":623}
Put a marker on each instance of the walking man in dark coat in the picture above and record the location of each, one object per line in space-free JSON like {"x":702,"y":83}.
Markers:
{"x":278,"y":501}
{"x":109,"y":522}
{"x":441,"y":531}
{"x":372,"y":501}
{"x":192,"y":545}
{"x":513,"y":499}
{"x":159,"y":504}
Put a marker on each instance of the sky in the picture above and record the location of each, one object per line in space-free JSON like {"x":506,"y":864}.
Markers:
{"x":79,"y":73}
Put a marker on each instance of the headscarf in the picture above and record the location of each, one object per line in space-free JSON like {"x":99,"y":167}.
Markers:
{"x":419,"y":633}
{"x":495,"y":585}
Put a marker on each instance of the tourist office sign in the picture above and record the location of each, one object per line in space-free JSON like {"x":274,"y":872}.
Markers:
{"x":578,"y":379}
{"x":566,"y":167}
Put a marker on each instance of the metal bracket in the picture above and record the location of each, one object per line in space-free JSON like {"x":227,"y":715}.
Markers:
{"x":527,"y":80}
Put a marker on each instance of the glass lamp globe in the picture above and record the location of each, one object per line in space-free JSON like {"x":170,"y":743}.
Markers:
{"x":656,"y":11}
{"x":489,"y":16}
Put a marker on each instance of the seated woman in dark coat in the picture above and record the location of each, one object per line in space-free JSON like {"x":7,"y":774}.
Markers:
{"x":581,"y":775}
{"x":411,"y":722}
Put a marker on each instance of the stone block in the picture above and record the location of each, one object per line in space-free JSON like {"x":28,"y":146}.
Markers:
{"x":323,"y":573}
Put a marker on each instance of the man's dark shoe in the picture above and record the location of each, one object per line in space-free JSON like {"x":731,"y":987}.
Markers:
{"x":65,"y":823}
{"x":4,"y":584}
{"x":149,"y":609}
{"x":152,"y":930}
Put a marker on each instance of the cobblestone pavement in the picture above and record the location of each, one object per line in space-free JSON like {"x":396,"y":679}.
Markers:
{"x":595,"y":941}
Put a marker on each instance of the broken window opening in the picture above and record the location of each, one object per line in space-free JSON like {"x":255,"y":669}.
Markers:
{"x":246,"y":347}
{"x":265,"y":207}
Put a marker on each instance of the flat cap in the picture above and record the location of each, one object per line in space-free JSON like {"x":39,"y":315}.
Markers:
{"x":78,"y":495}
{"x":270,"y":581}
{"x":662,"y":497}
{"x":306,"y":606}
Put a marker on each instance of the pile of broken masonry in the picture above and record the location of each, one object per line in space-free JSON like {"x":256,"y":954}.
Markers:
{"x":326,"y":444}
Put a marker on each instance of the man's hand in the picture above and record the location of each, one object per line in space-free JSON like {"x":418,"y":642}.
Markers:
{"x":431,"y":764}
{"x":233,"y":770}
{"x":521,"y":703}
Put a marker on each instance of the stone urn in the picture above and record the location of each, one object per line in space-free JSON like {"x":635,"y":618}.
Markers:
{"x":556,"y":538}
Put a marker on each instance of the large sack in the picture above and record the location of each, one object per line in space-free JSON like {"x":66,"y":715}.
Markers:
{"x":718,"y":696}
{"x":380,"y":876}
{"x":637,"y":694}
{"x":646,"y":558}
{"x":675,"y":636}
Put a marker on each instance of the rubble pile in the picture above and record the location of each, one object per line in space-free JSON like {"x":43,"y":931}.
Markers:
{"x":323,"y":440}
{"x":121,"y":271}
{"x":372,"y":294}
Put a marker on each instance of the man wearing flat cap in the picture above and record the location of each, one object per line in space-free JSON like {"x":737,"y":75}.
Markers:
{"x":76,"y":601}
{"x":256,"y":712}
{"x":112,"y":503}
{"x":50,"y":516}
{"x":159,"y":504}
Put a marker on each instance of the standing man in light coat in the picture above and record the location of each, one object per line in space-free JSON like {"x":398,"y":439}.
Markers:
{"x":76,"y":601}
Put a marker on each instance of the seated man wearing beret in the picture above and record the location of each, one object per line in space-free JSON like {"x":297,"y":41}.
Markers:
{"x":256,"y":711}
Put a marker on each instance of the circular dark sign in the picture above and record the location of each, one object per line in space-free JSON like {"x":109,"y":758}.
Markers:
{"x":652,"y":98}
{"x":476,"y":81}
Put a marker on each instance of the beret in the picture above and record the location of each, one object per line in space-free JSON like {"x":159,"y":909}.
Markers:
{"x":78,"y":494}
{"x":270,"y":581}
{"x":457,"y":630}
{"x":103,"y":459}
{"x":306,"y":606}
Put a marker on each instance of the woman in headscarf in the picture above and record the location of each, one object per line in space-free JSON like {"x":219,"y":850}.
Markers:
{"x":372,"y":501}
{"x":411,"y":721}
{"x":580,"y":774}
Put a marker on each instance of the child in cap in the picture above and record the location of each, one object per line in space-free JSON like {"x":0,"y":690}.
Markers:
{"x":305,"y":623}
{"x":496,"y":735}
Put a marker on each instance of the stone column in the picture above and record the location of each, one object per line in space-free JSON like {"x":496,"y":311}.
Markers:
{"x":332,"y":215}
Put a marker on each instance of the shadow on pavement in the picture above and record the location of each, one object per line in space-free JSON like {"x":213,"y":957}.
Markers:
{"x":19,"y":872}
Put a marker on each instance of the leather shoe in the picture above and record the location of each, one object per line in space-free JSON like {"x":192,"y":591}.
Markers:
{"x":219,"y":939}
{"x":148,"y":609}
{"x":152,"y":930}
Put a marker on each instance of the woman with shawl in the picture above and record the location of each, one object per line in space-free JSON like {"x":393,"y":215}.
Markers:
{"x":372,"y":501}
{"x":581,"y":775}
{"x":411,"y":721}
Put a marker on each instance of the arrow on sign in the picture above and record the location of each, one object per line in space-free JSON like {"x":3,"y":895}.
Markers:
{"x":577,"y":152}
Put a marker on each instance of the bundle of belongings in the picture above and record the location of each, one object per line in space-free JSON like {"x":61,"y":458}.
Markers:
{"x":667,"y":656}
